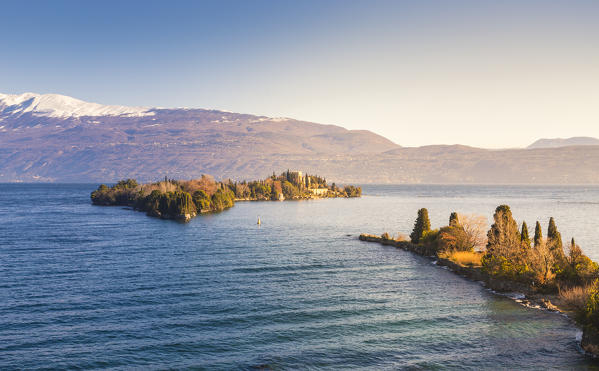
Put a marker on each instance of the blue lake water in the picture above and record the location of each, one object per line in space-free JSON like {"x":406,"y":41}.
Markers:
{"x":91,"y":287}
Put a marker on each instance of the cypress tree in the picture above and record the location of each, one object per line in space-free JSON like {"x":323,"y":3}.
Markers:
{"x":453,"y":219}
{"x":538,"y":234}
{"x":524,"y":235}
{"x":422,"y":224}
{"x":504,"y":232}
{"x":553,"y":235}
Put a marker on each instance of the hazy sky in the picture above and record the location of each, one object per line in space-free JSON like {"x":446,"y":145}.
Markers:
{"x":481,"y":73}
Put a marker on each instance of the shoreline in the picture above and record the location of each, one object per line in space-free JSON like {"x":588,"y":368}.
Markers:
{"x":518,"y":292}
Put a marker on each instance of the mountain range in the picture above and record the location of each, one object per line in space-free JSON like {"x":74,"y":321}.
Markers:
{"x":564,"y":142}
{"x":56,"y":138}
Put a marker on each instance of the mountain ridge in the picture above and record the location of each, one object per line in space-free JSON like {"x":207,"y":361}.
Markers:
{"x":564,"y":142}
{"x":57,"y":105}
{"x":185,"y":143}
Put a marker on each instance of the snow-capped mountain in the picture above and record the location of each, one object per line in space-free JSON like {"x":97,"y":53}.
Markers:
{"x":58,"y":138}
{"x":56,"y":105}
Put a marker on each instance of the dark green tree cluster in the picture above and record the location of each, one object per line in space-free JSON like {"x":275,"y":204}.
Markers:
{"x":122,"y":193}
{"x":421,"y":226}
{"x":456,"y":236}
{"x":173,"y":198}
{"x":509,"y":255}
{"x":291,"y":186}
{"x":352,"y":191}
{"x":174,"y":204}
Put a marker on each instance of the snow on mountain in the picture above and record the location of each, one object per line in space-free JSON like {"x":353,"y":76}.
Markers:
{"x":55,"y":105}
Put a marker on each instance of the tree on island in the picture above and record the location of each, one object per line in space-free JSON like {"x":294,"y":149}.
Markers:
{"x":454,"y":219}
{"x":422,"y":225}
{"x":524,"y":235}
{"x":538,"y":235}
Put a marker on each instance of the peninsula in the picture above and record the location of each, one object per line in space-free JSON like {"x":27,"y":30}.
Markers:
{"x":505,"y":258}
{"x":184,"y":199}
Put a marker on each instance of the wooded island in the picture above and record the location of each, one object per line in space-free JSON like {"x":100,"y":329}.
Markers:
{"x":184,"y":199}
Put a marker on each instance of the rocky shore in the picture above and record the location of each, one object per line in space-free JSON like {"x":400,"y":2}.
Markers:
{"x":523,"y":294}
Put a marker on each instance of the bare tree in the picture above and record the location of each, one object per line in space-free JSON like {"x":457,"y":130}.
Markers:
{"x":475,"y":230}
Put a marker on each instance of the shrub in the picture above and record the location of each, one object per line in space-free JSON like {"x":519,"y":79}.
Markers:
{"x":578,"y":268}
{"x":591,"y":311}
{"x":576,"y":297}
{"x":429,"y":238}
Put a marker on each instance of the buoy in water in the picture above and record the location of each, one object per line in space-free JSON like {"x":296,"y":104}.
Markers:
{"x":259,"y":222}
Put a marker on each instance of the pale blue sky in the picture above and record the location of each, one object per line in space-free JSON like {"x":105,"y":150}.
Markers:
{"x":482,"y":73}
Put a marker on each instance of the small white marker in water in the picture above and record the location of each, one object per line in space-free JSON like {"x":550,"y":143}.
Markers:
{"x":259,"y":222}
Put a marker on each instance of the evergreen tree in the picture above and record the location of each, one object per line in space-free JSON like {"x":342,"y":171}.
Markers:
{"x":454,"y":219}
{"x":504,"y":232}
{"x":554,"y":236}
{"x":538,"y":234}
{"x":524,"y":235}
{"x":422,"y":224}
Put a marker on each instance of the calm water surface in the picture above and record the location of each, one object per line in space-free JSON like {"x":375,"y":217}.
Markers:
{"x":88,"y":287}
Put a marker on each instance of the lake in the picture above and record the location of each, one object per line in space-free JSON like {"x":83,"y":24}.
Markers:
{"x":93,"y":287}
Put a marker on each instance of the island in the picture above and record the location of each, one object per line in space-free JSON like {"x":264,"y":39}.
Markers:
{"x":548,"y":274}
{"x":184,"y":199}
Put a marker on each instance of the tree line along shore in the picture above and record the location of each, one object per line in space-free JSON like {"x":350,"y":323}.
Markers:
{"x":184,"y":199}
{"x":507,"y":259}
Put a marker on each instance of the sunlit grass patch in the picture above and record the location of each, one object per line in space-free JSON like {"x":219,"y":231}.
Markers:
{"x":467,"y":258}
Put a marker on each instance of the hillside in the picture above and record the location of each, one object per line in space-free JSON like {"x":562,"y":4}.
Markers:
{"x":61,"y":139}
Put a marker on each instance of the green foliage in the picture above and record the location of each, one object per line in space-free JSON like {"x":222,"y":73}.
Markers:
{"x":506,"y":256}
{"x":290,"y":191}
{"x":351,"y":191}
{"x":524,"y":235}
{"x":259,"y":191}
{"x":429,"y":238}
{"x":454,"y":219}
{"x":222,"y":199}
{"x":509,"y":255}
{"x":592,"y":306}
{"x":173,"y":198}
{"x":579,"y":269}
{"x":504,"y":232}
{"x":538,"y":234}
{"x":202,"y":201}
{"x":553,"y":235}
{"x":122,"y":193}
{"x":125,"y":184}
{"x":421,"y":226}
{"x":170,"y":204}
{"x":453,"y":238}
